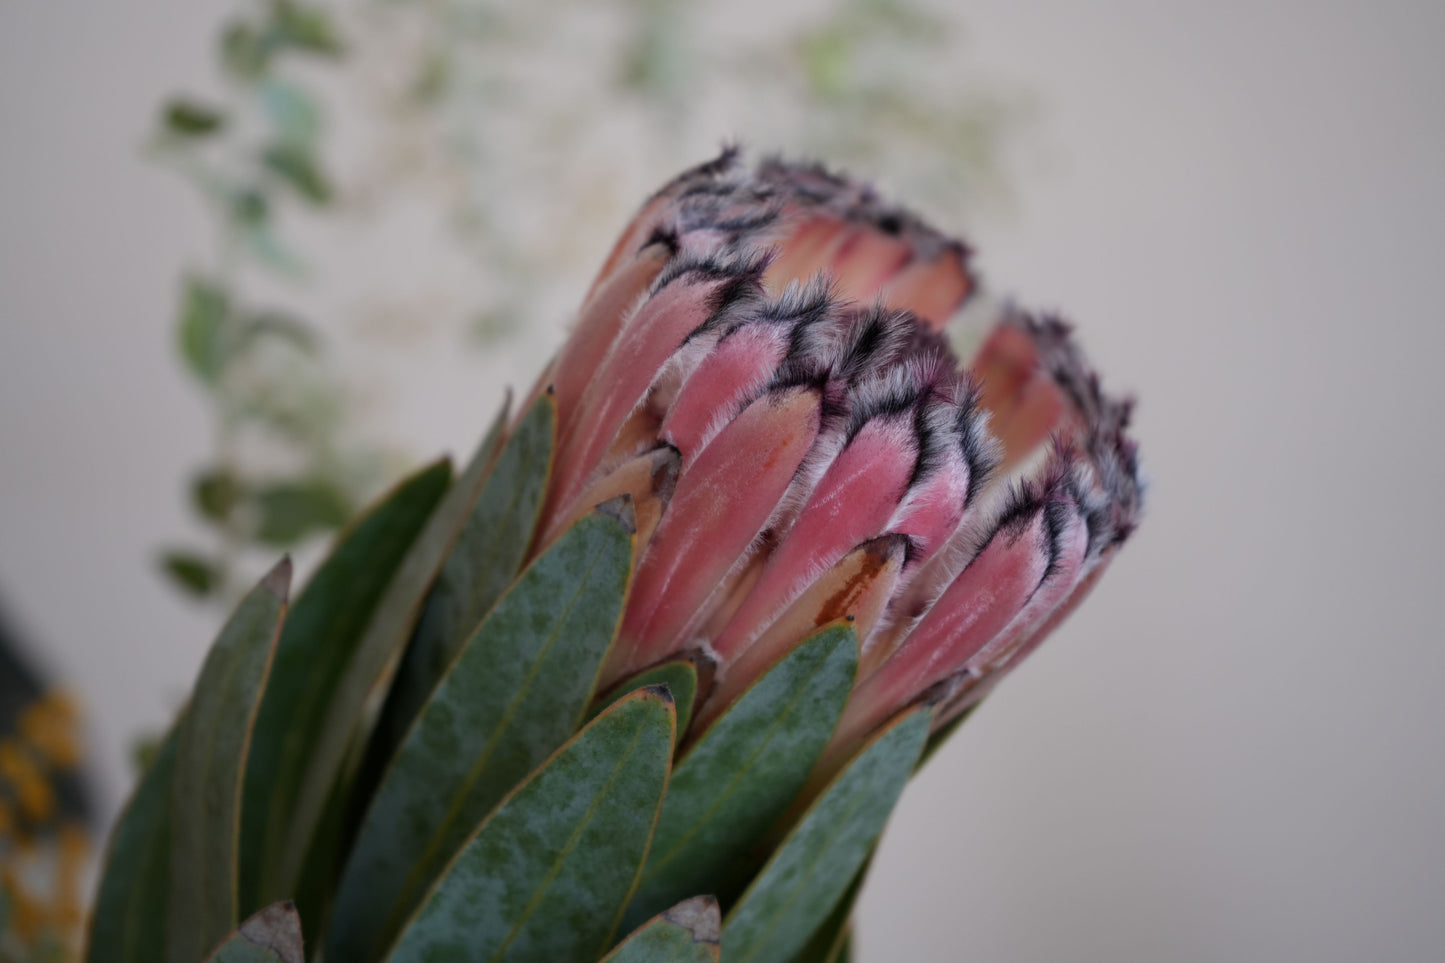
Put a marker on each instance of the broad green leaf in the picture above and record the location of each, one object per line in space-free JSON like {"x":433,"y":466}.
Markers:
{"x":187,"y":118}
{"x":349,"y":714}
{"x":205,"y":306}
{"x":744,"y":771}
{"x":546,"y":876}
{"x":198,"y":575}
{"x":128,"y":922}
{"x":813,"y":867}
{"x":212,"y":741}
{"x":488,"y":553}
{"x":687,"y":933}
{"x":680,"y":677}
{"x":515,"y":693}
{"x":288,"y":511}
{"x":272,"y":935}
{"x":829,"y":942}
{"x":322,"y":632}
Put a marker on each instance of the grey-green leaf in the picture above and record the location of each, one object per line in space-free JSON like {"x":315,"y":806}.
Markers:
{"x":515,"y":693}
{"x":205,"y":308}
{"x":297,"y":166}
{"x":273,"y":935}
{"x":744,"y":771}
{"x":128,"y":923}
{"x":192,"y":571}
{"x":829,"y":941}
{"x":322,"y":633}
{"x":488,"y":553}
{"x":212,"y":742}
{"x":679,"y":676}
{"x":686,"y":933}
{"x":813,"y":867}
{"x":546,"y":876}
{"x":348,"y":717}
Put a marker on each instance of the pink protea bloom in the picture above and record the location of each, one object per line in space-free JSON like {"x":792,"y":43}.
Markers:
{"x":762,"y":364}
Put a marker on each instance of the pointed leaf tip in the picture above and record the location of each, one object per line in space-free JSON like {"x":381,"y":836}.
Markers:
{"x":620,"y":508}
{"x":278,"y":580}
{"x":662,"y":690}
{"x":688,"y":932}
{"x":700,"y":916}
{"x":273,"y":935}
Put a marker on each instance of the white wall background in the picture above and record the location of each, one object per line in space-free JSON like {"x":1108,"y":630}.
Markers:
{"x":1234,"y":752}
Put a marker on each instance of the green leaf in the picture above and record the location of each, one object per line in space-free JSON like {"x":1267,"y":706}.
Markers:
{"x":744,"y":771}
{"x":191,"y":571}
{"x":516,"y":692}
{"x":187,"y":118}
{"x":215,"y":493}
{"x":211,"y":750}
{"x":321,"y":635}
{"x":687,"y":933}
{"x":348,"y":715}
{"x":546,"y":876}
{"x":680,"y":677}
{"x":272,"y":935}
{"x":488,"y":553}
{"x":249,"y":208}
{"x":307,"y":27}
{"x":293,"y":114}
{"x":297,"y":167}
{"x":243,"y":51}
{"x":813,"y":867}
{"x":289,"y":511}
{"x":205,"y":307}
{"x":830,"y":941}
{"x":129,"y":918}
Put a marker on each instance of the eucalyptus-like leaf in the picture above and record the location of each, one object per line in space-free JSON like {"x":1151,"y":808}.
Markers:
{"x":679,"y":676}
{"x":516,"y":692}
{"x":348,"y":717}
{"x":288,"y":511}
{"x":488,"y":553}
{"x":297,"y":166}
{"x":744,"y":771}
{"x":272,"y":935}
{"x":816,"y":862}
{"x":322,"y":633}
{"x":686,"y":933}
{"x":212,"y":744}
{"x":205,"y":307}
{"x":189,"y":118}
{"x":195,"y":573}
{"x":545,"y":878}
{"x":127,"y":924}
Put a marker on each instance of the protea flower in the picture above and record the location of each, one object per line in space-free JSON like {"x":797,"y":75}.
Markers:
{"x":662,"y":657}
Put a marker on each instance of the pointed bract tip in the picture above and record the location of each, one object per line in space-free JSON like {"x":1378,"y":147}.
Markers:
{"x":700,"y":916}
{"x":660,"y":690}
{"x":278,"y":580}
{"x":620,"y":509}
